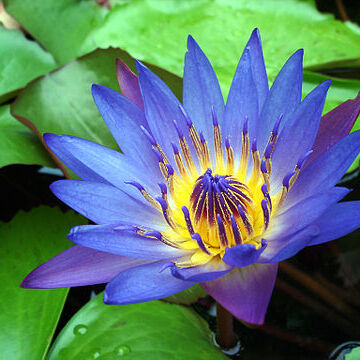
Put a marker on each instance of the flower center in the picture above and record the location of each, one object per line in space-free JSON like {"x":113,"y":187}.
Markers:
{"x":229,"y":204}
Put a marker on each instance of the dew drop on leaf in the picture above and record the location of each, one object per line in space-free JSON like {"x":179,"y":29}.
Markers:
{"x":121,"y":350}
{"x":80,"y":329}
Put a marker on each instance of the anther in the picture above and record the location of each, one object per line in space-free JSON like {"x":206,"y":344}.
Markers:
{"x":186,"y":116}
{"x":144,"y":193}
{"x":235,"y":230}
{"x":188,"y":220}
{"x":266,"y":194}
{"x":248,"y":227}
{"x":303,"y":159}
{"x":265,"y":209}
{"x":201,"y":244}
{"x":148,"y":135}
{"x":166,"y":212}
{"x":163,"y":190}
{"x":222,"y":234}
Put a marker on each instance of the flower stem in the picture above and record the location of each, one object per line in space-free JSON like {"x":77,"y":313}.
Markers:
{"x":225,"y":335}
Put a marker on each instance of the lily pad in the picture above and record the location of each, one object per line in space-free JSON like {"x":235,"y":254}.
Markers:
{"x":29,"y":317}
{"x":21,"y":61}
{"x":151,"y":331}
{"x":18,"y":145}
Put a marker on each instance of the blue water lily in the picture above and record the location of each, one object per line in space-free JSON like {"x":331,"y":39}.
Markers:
{"x":204,"y":192}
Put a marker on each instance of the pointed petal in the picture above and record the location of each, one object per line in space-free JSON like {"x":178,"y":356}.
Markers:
{"x":242,"y":103}
{"x":302,"y":214}
{"x":210,"y":271}
{"x":201,"y":91}
{"x":326,"y":170}
{"x":339,"y":220}
{"x":161,"y":109}
{"x":122,"y":240}
{"x":129,"y":84}
{"x":108,"y":165}
{"x":258,"y":67}
{"x":245,"y":292}
{"x":105,"y":204}
{"x":243,"y":254}
{"x":335,"y":125}
{"x":124,"y":119}
{"x":298,"y":134}
{"x":143,"y":283}
{"x":283,"y":98}
{"x":78,"y":266}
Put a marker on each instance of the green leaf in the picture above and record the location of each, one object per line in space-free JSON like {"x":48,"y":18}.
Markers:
{"x":354,"y":354}
{"x":29,"y":317}
{"x":59,"y":25}
{"x":187,"y":296}
{"x":18,"y":145}
{"x":151,"y":331}
{"x":64,"y":104}
{"x":156,"y":31}
{"x":21,"y":61}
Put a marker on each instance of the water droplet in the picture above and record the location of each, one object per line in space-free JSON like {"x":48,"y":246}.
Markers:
{"x":121,"y":350}
{"x":95,"y":354}
{"x":80,"y":329}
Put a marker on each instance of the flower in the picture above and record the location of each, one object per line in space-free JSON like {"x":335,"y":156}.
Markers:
{"x":204,"y":192}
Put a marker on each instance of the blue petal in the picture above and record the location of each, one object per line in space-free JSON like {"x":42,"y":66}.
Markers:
{"x":143,"y":283}
{"x":107,"y":164}
{"x":283,"y":98}
{"x":201,"y":91}
{"x":242,"y":103}
{"x":161,"y":109}
{"x":243,"y":254}
{"x":258,"y":67}
{"x":56,"y":145}
{"x":287,"y":246}
{"x":247,"y":94}
{"x":302,"y":214}
{"x":298,"y":134}
{"x":124,"y":118}
{"x":326,"y":170}
{"x":209,"y":271}
{"x":245,"y":291}
{"x":122,"y":240}
{"x":105,"y":204}
{"x":79,"y":266}
{"x":339,"y":220}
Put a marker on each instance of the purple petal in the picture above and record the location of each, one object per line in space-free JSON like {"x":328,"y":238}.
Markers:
{"x":339,"y":220}
{"x":283,"y":98}
{"x":302,"y":214}
{"x":298,"y":134}
{"x":210,"y":271}
{"x":122,"y":240}
{"x":54,"y":142}
{"x":143,"y":283}
{"x":246,"y":291}
{"x":287,"y":246}
{"x":105,"y":204}
{"x":79,"y":266}
{"x":326,"y":170}
{"x":161,"y":109}
{"x":242,"y":103}
{"x":335,"y":125}
{"x":107,"y":164}
{"x":129,"y":84}
{"x":201,"y":91}
{"x":124,"y":119}
{"x":258,"y":67}
{"x":243,"y":254}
